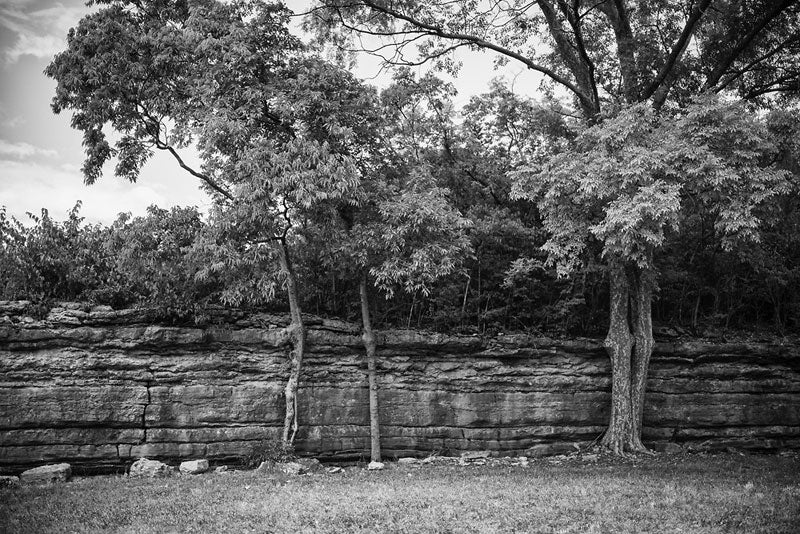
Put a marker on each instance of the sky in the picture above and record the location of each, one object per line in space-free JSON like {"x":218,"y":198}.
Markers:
{"x":41,"y":156}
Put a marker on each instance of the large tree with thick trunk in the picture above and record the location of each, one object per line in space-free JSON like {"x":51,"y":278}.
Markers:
{"x":623,"y":188}
{"x":615,"y":58}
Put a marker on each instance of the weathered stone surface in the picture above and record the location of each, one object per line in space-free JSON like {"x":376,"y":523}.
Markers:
{"x":70,"y":436}
{"x":193,"y":467}
{"x":144,"y":468}
{"x":375,"y":466}
{"x":309,"y":464}
{"x":106,"y":386}
{"x":672,"y":448}
{"x":168,"y":450}
{"x":46,"y":474}
{"x":475,"y":455}
{"x":27,"y":455}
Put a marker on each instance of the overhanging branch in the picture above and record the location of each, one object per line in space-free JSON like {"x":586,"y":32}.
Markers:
{"x":677,"y":49}
{"x":723,"y":66}
{"x":433,"y":30}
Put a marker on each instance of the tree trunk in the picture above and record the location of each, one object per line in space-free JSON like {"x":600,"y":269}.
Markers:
{"x":372,"y":375}
{"x":619,"y":344}
{"x":642,"y":321}
{"x":629,"y":344}
{"x":297,"y":338}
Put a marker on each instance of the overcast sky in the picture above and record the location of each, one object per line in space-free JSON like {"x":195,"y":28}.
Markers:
{"x":41,"y":156}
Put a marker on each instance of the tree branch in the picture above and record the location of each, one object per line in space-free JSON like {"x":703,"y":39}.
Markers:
{"x":437,"y":31}
{"x":677,"y":49}
{"x":747,"y":68}
{"x":775,"y":10}
{"x":580,"y":70}
{"x":155,"y":126}
{"x":206,"y":179}
{"x":617,"y":15}
{"x":575,"y":22}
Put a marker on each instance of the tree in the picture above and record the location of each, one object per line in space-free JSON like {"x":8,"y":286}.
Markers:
{"x":625,"y":186}
{"x":403,"y":234}
{"x":605,"y":57}
{"x":273,"y":127}
{"x":404,"y":239}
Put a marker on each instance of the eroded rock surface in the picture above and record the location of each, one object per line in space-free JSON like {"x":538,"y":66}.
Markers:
{"x":47,"y":474}
{"x":194,"y":467}
{"x":99,"y":387}
{"x":145,"y":468}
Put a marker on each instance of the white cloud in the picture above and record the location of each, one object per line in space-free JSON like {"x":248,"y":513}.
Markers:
{"x":39,"y":32}
{"x":23,"y":150}
{"x":41,"y":46}
{"x":30,"y":186}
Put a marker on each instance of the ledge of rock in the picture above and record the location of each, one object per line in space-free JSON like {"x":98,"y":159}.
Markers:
{"x":99,"y":388}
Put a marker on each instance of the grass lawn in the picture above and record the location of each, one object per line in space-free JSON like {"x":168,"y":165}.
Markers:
{"x":695,"y":494}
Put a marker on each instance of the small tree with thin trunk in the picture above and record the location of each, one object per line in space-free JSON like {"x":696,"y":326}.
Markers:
{"x":622,"y":189}
{"x":404,"y":236}
{"x":273,"y":128}
{"x":417,"y":238}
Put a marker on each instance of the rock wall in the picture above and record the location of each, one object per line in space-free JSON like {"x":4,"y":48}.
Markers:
{"x":100,"y":388}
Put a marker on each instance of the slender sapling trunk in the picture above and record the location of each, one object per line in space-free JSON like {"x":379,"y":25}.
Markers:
{"x":297,"y":338}
{"x":372,"y":374}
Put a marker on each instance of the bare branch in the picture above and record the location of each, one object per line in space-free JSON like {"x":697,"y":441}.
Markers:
{"x":438,"y":31}
{"x":723,"y":66}
{"x":677,"y":49}
{"x":750,"y":66}
{"x":162,"y":145}
{"x":205,"y":178}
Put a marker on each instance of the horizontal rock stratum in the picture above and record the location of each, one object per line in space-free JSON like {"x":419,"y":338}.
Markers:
{"x":100,"y":388}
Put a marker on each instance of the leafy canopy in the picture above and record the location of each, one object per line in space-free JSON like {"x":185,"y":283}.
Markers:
{"x":625,"y":182}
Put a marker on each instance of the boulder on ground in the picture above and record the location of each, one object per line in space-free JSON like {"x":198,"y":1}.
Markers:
{"x":221,"y":469}
{"x":144,"y":468}
{"x":409,"y":460}
{"x":46,"y":474}
{"x":265,"y":466}
{"x":194,"y":467}
{"x":375,"y":466}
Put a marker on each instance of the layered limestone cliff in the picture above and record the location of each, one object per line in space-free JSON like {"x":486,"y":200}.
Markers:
{"x":100,"y":388}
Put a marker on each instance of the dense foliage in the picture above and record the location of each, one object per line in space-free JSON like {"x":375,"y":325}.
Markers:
{"x":708,"y":285}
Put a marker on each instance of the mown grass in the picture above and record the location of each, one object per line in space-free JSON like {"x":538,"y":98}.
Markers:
{"x":698,"y":494}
